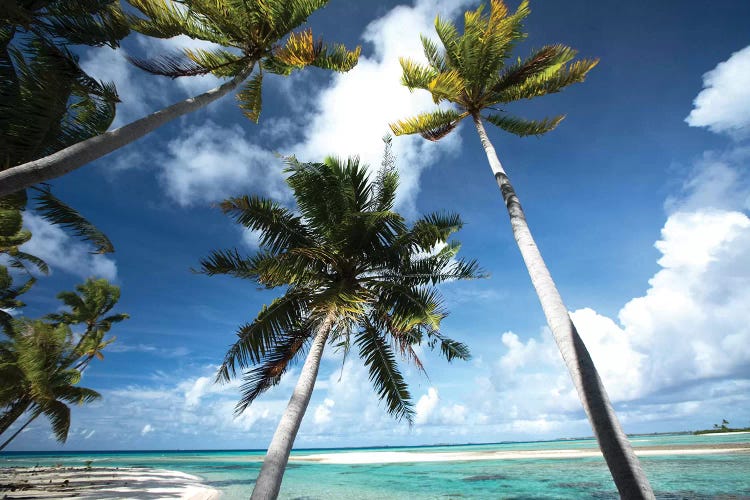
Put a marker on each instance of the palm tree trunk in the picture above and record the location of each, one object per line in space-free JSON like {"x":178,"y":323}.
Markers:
{"x":13,"y":413}
{"x":268,"y":484}
{"x":626,"y":470}
{"x":66,"y":160}
{"x":7,"y":441}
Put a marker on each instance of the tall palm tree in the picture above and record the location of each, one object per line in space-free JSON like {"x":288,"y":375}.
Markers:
{"x":250,"y":34}
{"x":41,"y":361}
{"x":474,"y":73}
{"x":354,"y":273}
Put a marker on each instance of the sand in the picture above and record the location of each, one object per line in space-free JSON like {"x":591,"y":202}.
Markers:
{"x":102,"y":483}
{"x":378,"y":457}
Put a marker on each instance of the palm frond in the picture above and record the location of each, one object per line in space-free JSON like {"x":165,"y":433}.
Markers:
{"x":545,"y":83}
{"x":447,"y":85}
{"x":259,"y":337}
{"x":415,"y":75}
{"x":56,"y":212}
{"x":279,"y":227}
{"x":384,"y":374}
{"x":250,"y":97}
{"x":219,"y":62}
{"x":451,"y":349}
{"x":276,"y":362}
{"x":433,"y":126}
{"x":521,"y":127}
{"x":433,"y":54}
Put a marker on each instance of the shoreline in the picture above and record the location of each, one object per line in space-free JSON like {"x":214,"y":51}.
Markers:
{"x":383,"y":457}
{"x":101,"y":482}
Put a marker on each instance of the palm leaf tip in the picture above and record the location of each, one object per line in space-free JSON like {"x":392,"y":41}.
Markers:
{"x":55,"y":211}
{"x":522,"y":127}
{"x":432,"y":126}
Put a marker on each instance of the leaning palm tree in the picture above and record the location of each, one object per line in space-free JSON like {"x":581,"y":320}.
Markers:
{"x":36,"y":375}
{"x":249,"y":34}
{"x":41,"y":361}
{"x":354,"y":273}
{"x":473,"y":71}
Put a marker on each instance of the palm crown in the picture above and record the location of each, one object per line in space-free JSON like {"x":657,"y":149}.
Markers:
{"x":249,"y":32}
{"x":349,"y":257}
{"x":472,"y":71}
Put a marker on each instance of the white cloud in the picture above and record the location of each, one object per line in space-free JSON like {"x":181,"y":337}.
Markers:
{"x":60,"y":251}
{"x":426,"y":405}
{"x":209,"y":162}
{"x":352,"y":114}
{"x":322,"y":413}
{"x":684,"y":345}
{"x":724,"y":103}
{"x":146,"y":429}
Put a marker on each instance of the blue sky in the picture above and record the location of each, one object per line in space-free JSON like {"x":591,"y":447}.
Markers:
{"x":638,"y":201}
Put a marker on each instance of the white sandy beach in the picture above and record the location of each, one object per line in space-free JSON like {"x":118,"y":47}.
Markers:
{"x":375,"y":457}
{"x":102,"y":483}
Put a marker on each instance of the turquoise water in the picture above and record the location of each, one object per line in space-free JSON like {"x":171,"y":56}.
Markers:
{"x":233,"y":472}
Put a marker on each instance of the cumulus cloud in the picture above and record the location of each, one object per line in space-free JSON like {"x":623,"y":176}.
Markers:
{"x":352,"y":114}
{"x":210,"y":162}
{"x":681,"y":347}
{"x":146,"y":429}
{"x":62,"y":252}
{"x":723,"y":106}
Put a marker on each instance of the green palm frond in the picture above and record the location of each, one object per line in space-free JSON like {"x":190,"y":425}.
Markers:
{"x":277,"y":360}
{"x":220,"y":62}
{"x":58,"y":415}
{"x":546,"y":60}
{"x":279,"y":227}
{"x":433,"y":126}
{"x":433,"y":54}
{"x":447,"y":85}
{"x":547,"y":83}
{"x":250,"y":97}
{"x":167,"y":19}
{"x":450,"y":39}
{"x":451,"y":349}
{"x":416,"y":76}
{"x":384,"y":374}
{"x":228,"y":262}
{"x":260,"y":336}
{"x":56,"y":212}
{"x":521,"y":127}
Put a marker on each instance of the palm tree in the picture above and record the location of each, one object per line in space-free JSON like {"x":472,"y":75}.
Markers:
{"x":249,"y":33}
{"x":472,"y":71}
{"x":34,"y":362}
{"x":41,"y":361}
{"x":354,"y":274}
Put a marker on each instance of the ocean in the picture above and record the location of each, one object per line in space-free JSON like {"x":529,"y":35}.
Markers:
{"x":708,"y":476}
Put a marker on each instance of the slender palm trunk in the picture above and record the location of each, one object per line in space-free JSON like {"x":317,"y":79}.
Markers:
{"x":626,"y":470}
{"x":66,"y":160}
{"x":13,"y":413}
{"x":268,"y":484}
{"x":7,"y":441}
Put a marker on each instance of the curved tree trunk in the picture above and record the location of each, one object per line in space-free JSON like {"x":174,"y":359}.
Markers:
{"x":626,"y":470}
{"x":268,"y":484}
{"x":66,"y":160}
{"x":13,"y":413}
{"x":7,"y":441}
